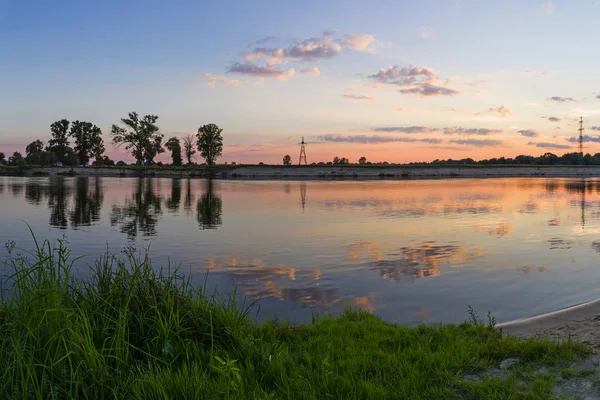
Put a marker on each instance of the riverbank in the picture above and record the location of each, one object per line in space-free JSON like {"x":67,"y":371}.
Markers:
{"x":316,"y":172}
{"x":131,"y":332}
{"x":580,"y":322}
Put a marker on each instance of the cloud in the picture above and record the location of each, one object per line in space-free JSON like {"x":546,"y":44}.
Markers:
{"x":405,"y":76}
{"x":213,"y":79}
{"x":373,"y":139}
{"x":363,"y":43}
{"x":415,"y":80}
{"x":267,"y":39}
{"x":471,"y":131}
{"x":427,"y":89}
{"x":476,"y":83}
{"x":546,"y":145}
{"x":559,"y":99}
{"x":598,"y":96}
{"x":586,"y":138}
{"x":477,"y":142}
{"x":528,"y":133}
{"x":313,"y":71}
{"x":247,"y":68}
{"x":502,"y":111}
{"x":595,"y":128}
{"x":358,"y":97}
{"x":547,"y":6}
{"x":312,"y":49}
{"x":406,"y":129}
{"x":553,"y":119}
{"x":323,"y":47}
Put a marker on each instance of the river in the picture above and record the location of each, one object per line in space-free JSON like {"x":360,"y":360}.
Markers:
{"x":411,"y":251}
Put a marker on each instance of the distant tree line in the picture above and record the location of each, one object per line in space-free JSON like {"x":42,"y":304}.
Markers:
{"x":545,"y":159}
{"x":80,"y":143}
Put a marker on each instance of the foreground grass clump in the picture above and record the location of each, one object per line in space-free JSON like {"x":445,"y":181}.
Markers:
{"x":133,"y":332}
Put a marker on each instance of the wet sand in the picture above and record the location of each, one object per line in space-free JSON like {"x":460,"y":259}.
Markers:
{"x":580,"y":322}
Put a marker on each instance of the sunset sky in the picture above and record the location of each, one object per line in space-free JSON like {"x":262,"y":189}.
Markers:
{"x":395,"y":81}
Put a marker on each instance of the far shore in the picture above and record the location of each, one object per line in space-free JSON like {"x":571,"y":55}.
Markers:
{"x":317,"y":172}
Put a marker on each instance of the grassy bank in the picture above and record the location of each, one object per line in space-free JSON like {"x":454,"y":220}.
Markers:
{"x":133,"y":332}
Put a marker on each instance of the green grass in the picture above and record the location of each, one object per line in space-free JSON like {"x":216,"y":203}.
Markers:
{"x":135,"y":332}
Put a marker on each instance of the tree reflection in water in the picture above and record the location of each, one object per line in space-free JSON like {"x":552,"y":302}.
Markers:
{"x":58,"y":202}
{"x":209,"y":208}
{"x":35,"y":192}
{"x":87,"y":206}
{"x":175,"y":199}
{"x":140,"y":212}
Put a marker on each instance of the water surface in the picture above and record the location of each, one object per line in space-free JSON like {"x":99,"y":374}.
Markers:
{"x":409,"y":251}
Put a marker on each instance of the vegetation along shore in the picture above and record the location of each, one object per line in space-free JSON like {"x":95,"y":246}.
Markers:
{"x":132,"y":331}
{"x":315,"y":172}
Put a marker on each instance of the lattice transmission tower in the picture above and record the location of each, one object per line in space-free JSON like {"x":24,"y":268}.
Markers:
{"x":581,"y":136}
{"x":302,"y":153}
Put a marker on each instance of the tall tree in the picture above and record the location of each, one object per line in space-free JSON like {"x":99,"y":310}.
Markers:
{"x":210,"y":142}
{"x":175,"y":148}
{"x":287,"y":160}
{"x":59,"y":144}
{"x":34,"y":152}
{"x":188,"y":147}
{"x":141,"y":137}
{"x":2,"y":158}
{"x":362,"y":160}
{"x":88,"y":141}
{"x":16,"y":159}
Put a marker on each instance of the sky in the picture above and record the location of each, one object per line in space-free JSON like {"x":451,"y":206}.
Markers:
{"x":396,"y":81}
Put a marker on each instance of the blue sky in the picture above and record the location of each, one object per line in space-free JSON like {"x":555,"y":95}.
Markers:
{"x":476,"y":76}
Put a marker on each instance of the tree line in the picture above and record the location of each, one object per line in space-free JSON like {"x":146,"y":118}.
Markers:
{"x":79,"y":142}
{"x":544,"y":159}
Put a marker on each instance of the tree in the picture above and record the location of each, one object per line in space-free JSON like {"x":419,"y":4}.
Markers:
{"x":210,"y":142}
{"x":154,"y":149}
{"x":188,"y":147}
{"x":362,"y":160}
{"x":16,"y":159}
{"x":142,"y":138}
{"x":105,"y":161}
{"x":2,"y":158}
{"x":344,"y":160}
{"x":34,"y":152}
{"x":175,"y":148}
{"x":59,"y":144}
{"x":88,"y":141}
{"x":336,"y":160}
{"x":287,"y":160}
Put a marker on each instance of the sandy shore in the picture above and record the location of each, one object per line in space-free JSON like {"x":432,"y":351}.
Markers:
{"x":322,"y":172}
{"x":581,"y":322}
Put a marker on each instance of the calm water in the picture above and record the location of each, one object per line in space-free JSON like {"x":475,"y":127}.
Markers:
{"x":410,"y":251}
